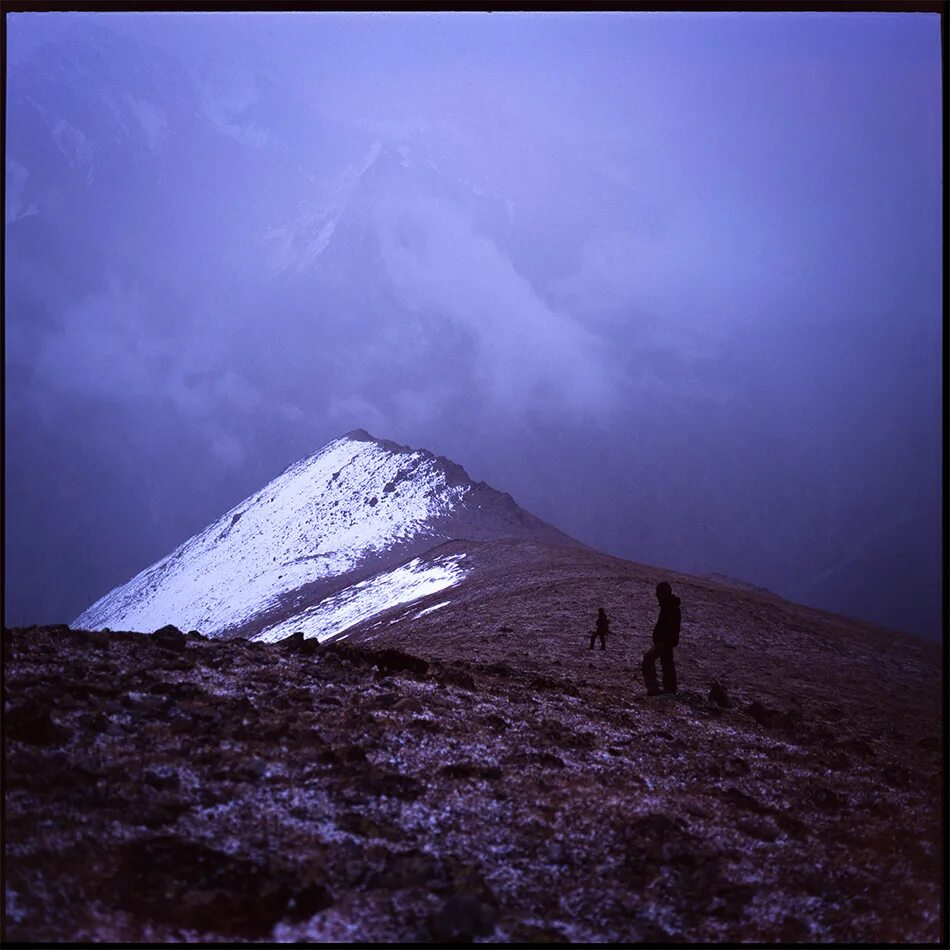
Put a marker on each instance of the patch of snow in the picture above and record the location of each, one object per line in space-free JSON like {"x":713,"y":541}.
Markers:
{"x":405,"y":584}
{"x":150,"y":118}
{"x":295,"y":246}
{"x":429,"y":610}
{"x":369,"y":159}
{"x":321,"y":518}
{"x":322,"y":239}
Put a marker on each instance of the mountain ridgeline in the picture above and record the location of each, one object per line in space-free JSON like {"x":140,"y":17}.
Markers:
{"x":357,"y":509}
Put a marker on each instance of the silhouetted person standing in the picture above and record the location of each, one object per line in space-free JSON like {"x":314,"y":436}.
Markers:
{"x":601,"y":630}
{"x":666,"y":636}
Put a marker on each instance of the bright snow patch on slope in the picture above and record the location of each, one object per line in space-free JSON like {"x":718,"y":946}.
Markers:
{"x":403,"y":585}
{"x":319,"y":519}
{"x":429,"y":610}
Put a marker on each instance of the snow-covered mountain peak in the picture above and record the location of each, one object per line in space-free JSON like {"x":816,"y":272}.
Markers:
{"x":359,"y":506}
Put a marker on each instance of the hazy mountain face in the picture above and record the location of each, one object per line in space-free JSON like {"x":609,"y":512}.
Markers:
{"x":672,"y":281}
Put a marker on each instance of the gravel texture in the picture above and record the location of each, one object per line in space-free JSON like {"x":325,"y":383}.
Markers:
{"x":477,"y":773}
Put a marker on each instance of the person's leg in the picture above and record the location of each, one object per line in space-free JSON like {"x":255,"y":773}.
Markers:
{"x":593,"y":637}
{"x":669,"y":670}
{"x":649,"y":670}
{"x":603,"y":641}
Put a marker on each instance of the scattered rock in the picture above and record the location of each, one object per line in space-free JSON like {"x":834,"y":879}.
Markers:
{"x":179,"y":691}
{"x":252,"y":769}
{"x":191,"y":886}
{"x":345,"y":754}
{"x":167,"y":781}
{"x":94,"y":722}
{"x":652,"y":842}
{"x":307,"y":901}
{"x":740,"y":799}
{"x":462,"y":918}
{"x":463,"y":770}
{"x":309,"y":646}
{"x":761,"y":714}
{"x":858,"y":746}
{"x":408,"y":704}
{"x":170,"y":637}
{"x":149,"y":703}
{"x":413,"y":868}
{"x":424,"y":725}
{"x":897,"y":776}
{"x":454,"y":677}
{"x":359,"y":823}
{"x":794,"y":930}
{"x":390,"y":784}
{"x":558,"y":854}
{"x":209,"y":797}
{"x":396,"y":661}
{"x":544,"y":759}
{"x":163,"y":812}
{"x":730,"y":900}
{"x":837,"y":762}
{"x":825,"y":798}
{"x":549,"y":683}
{"x":758,"y":828}
{"x":383,"y":701}
{"x":719,"y":696}
{"x":769,"y":718}
{"x":791,"y":825}
{"x":532,"y":933}
{"x":34,"y":726}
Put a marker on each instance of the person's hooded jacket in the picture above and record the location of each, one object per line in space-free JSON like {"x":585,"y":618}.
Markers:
{"x":667,"y":629}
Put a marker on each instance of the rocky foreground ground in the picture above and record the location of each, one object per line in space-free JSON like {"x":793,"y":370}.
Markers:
{"x":175,"y":788}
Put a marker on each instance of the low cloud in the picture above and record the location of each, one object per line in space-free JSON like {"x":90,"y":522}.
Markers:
{"x":526,"y":353}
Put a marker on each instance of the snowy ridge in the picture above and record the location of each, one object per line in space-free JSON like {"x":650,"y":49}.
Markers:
{"x":320,"y":519}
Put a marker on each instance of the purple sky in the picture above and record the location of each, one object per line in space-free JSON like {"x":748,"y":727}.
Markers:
{"x":672,"y":280}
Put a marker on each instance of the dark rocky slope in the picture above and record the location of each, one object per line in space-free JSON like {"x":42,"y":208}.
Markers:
{"x":478,"y":772}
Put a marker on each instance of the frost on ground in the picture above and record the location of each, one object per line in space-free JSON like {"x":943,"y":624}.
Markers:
{"x":476,"y":772}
